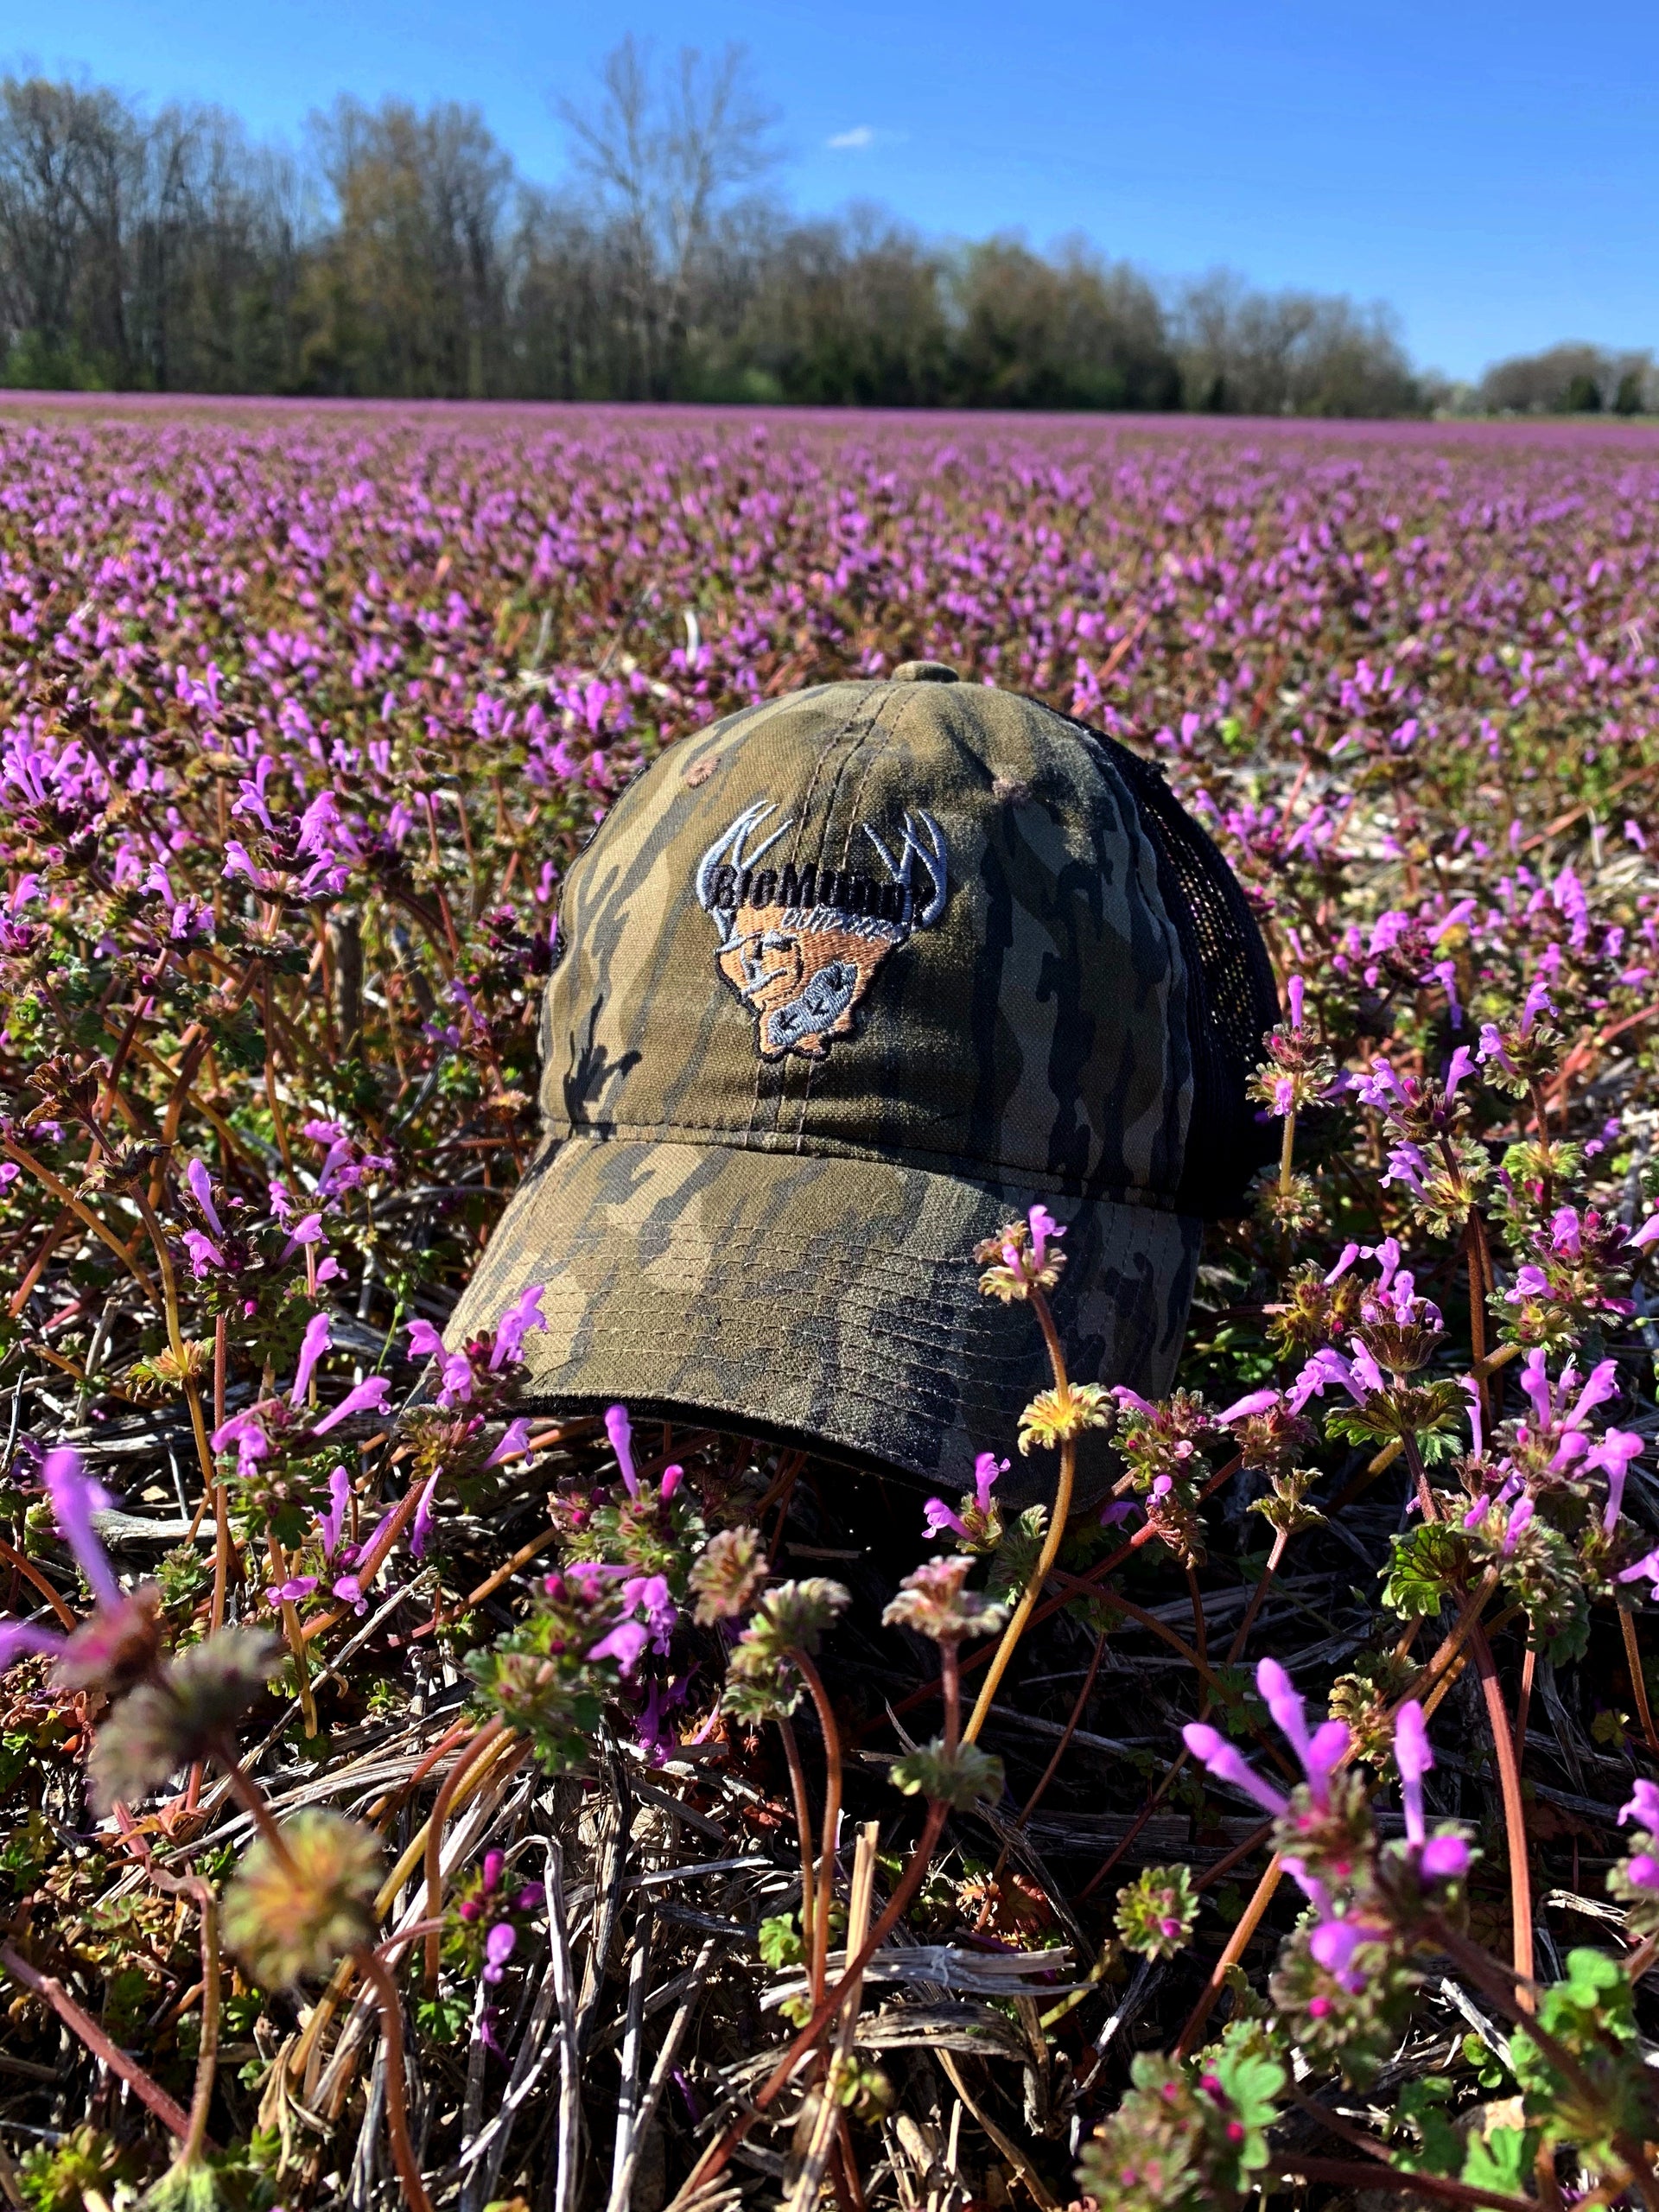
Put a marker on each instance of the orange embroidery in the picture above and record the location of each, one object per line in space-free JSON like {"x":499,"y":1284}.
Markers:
{"x":801,"y":946}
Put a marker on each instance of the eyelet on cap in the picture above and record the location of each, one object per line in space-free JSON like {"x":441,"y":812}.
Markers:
{"x":924,"y":671}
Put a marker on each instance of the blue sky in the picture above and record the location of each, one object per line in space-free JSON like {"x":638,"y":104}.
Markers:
{"x":1491,"y":170}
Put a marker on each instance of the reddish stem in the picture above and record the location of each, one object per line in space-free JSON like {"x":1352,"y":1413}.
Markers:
{"x":490,"y":1734}
{"x":171,"y":2114}
{"x":826,"y":1895}
{"x":374,"y":1971}
{"x":1514,"y":1817}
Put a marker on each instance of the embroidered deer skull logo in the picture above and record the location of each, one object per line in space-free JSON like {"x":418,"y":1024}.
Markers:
{"x":801,"y":945}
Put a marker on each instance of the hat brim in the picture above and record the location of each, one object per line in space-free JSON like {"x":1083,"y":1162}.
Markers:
{"x":834,"y":1300}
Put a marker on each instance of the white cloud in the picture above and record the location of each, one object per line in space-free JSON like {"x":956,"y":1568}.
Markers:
{"x":854,"y":141}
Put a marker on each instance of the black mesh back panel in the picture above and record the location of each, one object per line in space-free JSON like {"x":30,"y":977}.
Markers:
{"x":1232,"y":999}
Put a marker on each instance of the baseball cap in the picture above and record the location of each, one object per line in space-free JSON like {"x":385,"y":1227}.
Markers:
{"x":845,"y":981}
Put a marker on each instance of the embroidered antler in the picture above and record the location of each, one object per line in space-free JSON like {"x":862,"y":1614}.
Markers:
{"x":931,"y":854}
{"x":730,"y":844}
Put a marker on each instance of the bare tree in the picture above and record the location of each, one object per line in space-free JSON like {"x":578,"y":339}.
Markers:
{"x":69,"y":159}
{"x":1251,"y":352}
{"x":661,"y":153}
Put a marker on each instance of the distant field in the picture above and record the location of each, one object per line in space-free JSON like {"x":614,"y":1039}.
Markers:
{"x":305,"y":710}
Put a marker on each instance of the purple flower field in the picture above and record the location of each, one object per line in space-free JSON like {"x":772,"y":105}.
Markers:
{"x":405,"y":1797}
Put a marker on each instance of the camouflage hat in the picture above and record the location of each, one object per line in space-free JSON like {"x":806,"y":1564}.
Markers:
{"x":849,"y":980}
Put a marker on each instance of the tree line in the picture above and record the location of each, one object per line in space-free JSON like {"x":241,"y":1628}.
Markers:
{"x":399,"y":253}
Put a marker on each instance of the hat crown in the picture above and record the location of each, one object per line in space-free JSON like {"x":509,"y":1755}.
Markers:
{"x":921,"y":921}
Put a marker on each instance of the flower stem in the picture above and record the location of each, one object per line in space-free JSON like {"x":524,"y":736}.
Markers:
{"x":1238,"y":1943}
{"x":831,"y":1734}
{"x":1287,"y":1153}
{"x":491,"y":1732}
{"x":373,"y":1970}
{"x":1638,"y":1680}
{"x":296,"y":1639}
{"x":1514,"y":1817}
{"x":201,"y":2098}
{"x":252,"y":1800}
{"x":1236,"y":1650}
{"x":143,"y":2085}
{"x":1058,"y":1517}
{"x":719,"y":2153}
{"x":803,"y":1826}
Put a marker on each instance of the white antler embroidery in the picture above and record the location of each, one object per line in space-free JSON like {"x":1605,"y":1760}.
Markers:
{"x":730,"y":845}
{"x":932,"y":856}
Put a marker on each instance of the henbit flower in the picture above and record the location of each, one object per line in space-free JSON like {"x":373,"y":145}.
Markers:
{"x":1319,"y":1753}
{"x":619,"y":1429}
{"x":247,"y":1431}
{"x":422,"y":1528}
{"x":313,"y":1345}
{"x":1491,"y":1048}
{"x":1256,"y":1402}
{"x":1445,"y":973}
{"x":201,"y":1189}
{"x":1519,"y":1517}
{"x":119,"y":1641}
{"x":514,"y":1442}
{"x":1642,"y":1805}
{"x":1211,"y":1748}
{"x":624,"y":1643}
{"x":1602,"y":1386}
{"x":1414,"y":1758}
{"x":204,"y":1254}
{"x":1444,"y":1859}
{"x":307,"y":1231}
{"x":1345,"y":1260}
{"x":1471,"y":1390}
{"x":1043,"y":1226}
{"x":368,"y":1397}
{"x":987,"y":1471}
{"x":649,"y":1594}
{"x":455,"y":1379}
{"x":1334,"y":1942}
{"x":1295,"y":991}
{"x":1534,"y":1385}
{"x":498,"y":1949}
{"x":520,"y":1318}
{"x":424,"y":1342}
{"x":291,"y":1592}
{"x":333,"y":1523}
{"x":1462,"y":1064}
{"x":939,"y":1520}
{"x":1538,"y":1001}
{"x":672,"y":1477}
{"x":1644,"y":1871}
{"x":1613,"y":1455}
{"x":75,"y":1497}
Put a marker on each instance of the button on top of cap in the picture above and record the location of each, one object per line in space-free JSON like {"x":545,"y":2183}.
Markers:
{"x":925,"y":671}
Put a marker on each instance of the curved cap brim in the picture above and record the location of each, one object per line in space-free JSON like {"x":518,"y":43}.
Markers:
{"x":832,"y":1299}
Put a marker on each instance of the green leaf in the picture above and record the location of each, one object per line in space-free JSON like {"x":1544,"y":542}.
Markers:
{"x":1420,"y":2103}
{"x":1501,"y":2161}
{"x":1425,"y":1571}
{"x":779,"y":1940}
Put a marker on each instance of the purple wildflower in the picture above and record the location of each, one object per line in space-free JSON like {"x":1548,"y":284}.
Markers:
{"x":313,"y":1345}
{"x":619,"y":1429}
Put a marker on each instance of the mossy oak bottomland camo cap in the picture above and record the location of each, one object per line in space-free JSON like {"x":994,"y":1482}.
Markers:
{"x":848,"y":981}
